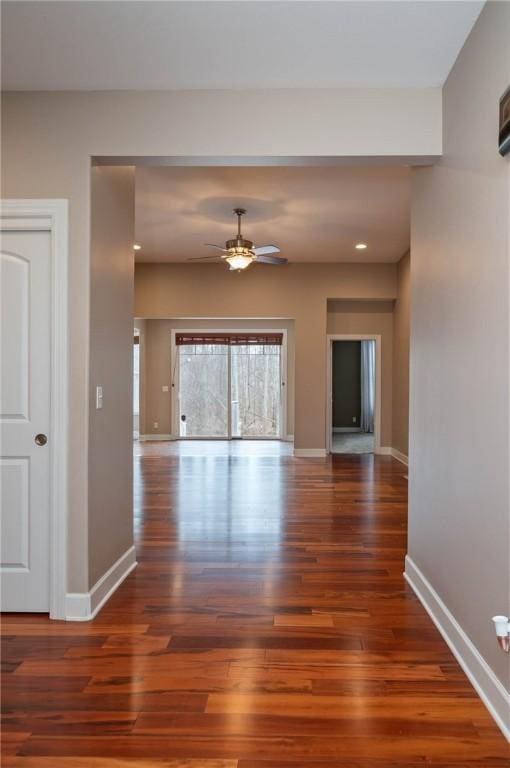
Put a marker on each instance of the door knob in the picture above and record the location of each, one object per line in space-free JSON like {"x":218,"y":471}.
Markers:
{"x":41,"y":439}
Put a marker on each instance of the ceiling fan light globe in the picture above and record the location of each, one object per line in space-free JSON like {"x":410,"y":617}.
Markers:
{"x":239,"y":260}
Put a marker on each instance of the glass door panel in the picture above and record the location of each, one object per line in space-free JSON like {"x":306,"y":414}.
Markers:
{"x":255,"y":390}
{"x":136,"y":386}
{"x":203,"y":390}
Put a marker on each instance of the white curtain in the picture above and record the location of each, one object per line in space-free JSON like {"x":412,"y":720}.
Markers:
{"x":367,"y":385}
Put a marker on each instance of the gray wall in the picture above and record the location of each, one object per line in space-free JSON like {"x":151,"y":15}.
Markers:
{"x":346,"y":385}
{"x":110,"y":509}
{"x":459,"y":430}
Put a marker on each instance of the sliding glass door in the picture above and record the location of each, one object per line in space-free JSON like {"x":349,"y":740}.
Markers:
{"x":229,"y":385}
{"x":203,"y":390}
{"x":255,"y":390}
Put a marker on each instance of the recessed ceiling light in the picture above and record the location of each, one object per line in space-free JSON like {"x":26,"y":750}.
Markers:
{"x":361,"y":246}
{"x":137,"y":247}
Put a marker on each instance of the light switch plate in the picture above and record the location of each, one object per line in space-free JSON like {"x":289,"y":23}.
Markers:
{"x":99,"y":398}
{"x":164,"y":388}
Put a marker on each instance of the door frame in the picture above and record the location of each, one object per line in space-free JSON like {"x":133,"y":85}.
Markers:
{"x":174,"y":383}
{"x":52,"y":216}
{"x":330,"y":338}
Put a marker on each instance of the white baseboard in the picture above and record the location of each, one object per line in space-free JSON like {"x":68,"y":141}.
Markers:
{"x":83,"y":606}
{"x":310,"y":453}
{"x":156,"y":436}
{"x":386,"y":450}
{"x":399,"y":456}
{"x":489,"y":688}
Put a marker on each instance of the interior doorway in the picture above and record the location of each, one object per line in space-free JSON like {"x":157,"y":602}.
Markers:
{"x":229,"y":385}
{"x":353,"y":417}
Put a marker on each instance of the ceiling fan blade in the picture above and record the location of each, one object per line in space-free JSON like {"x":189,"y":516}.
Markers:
{"x":212,"y":245}
{"x":267,"y":259}
{"x":263,"y":250}
{"x":203,"y":258}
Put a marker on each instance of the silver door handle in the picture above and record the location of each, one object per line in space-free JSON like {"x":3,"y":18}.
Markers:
{"x":40,"y":439}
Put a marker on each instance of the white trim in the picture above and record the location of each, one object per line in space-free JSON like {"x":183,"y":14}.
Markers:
{"x":383,"y":450}
{"x":52,"y":216}
{"x":310,"y":453}
{"x":174,"y":384}
{"x":83,"y":606}
{"x":289,"y":439}
{"x":489,"y":688}
{"x":399,"y":456}
{"x":157,"y":436}
{"x":330,"y":338}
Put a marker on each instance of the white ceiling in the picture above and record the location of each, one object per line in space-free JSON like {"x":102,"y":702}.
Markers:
{"x":311,"y":213}
{"x":186,"y":45}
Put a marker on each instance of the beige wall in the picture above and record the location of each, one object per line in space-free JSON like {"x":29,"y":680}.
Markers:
{"x":48,"y":140}
{"x":296,"y":291}
{"x":352,"y":317}
{"x":158,"y":366}
{"x":343,"y":317}
{"x":110,"y":519}
{"x":459,"y":425}
{"x":401,"y":332}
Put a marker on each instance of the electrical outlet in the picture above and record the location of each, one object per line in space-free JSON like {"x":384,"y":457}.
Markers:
{"x":354,"y":419}
{"x":156,"y":424}
{"x":164,"y":388}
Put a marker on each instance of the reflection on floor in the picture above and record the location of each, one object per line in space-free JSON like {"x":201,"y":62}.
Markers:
{"x":352,"y":442}
{"x":267,"y":625}
{"x":215,"y":448}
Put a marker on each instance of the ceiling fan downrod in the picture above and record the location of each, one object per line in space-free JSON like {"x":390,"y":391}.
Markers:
{"x":239,"y":212}
{"x":239,"y":241}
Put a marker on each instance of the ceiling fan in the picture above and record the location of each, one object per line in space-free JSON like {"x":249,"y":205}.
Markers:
{"x":239,"y":253}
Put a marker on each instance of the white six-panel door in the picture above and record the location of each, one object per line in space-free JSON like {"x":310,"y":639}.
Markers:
{"x":25,"y":419}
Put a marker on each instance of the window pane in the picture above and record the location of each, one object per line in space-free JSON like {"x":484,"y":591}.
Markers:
{"x":203,"y":390}
{"x":256,"y":391}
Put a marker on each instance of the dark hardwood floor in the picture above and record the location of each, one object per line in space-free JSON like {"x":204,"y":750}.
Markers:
{"x":267,"y":625}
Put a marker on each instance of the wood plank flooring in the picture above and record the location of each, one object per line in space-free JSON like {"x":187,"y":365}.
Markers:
{"x":267,"y":625}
